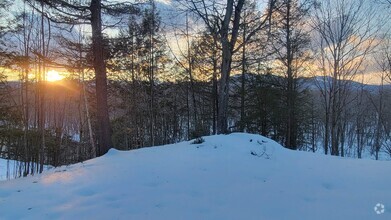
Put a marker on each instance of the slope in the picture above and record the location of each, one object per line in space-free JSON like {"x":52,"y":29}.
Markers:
{"x":236,"y":176}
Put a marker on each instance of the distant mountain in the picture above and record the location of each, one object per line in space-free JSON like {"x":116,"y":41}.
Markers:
{"x":314,"y":83}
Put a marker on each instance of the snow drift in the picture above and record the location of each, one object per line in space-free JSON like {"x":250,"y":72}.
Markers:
{"x":236,"y":176}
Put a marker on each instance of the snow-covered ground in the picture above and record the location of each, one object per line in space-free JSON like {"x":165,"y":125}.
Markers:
{"x":6,"y":167}
{"x":236,"y":176}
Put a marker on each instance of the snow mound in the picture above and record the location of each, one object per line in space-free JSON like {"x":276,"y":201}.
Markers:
{"x":236,"y":176}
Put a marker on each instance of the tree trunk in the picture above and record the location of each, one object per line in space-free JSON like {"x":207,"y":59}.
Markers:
{"x":227,"y":44}
{"x":326,"y":132}
{"x":378,"y":131}
{"x":25,"y":94}
{"x":104,"y":128}
{"x":192,"y":87}
{"x":334,"y":113}
{"x":243,"y":80}
{"x":358,"y":140}
{"x":42,"y":82}
{"x":290,"y":132}
{"x":152,"y":76}
{"x":222,"y":118}
{"x":215,"y":99}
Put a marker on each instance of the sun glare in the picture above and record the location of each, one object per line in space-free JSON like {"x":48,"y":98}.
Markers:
{"x":53,"y":75}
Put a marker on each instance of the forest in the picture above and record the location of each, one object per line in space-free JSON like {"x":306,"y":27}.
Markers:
{"x":78,"y":77}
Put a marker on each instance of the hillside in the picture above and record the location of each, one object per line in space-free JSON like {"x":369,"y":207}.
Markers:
{"x":236,"y":176}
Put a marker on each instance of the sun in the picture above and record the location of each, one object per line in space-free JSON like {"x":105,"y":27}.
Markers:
{"x":53,"y":75}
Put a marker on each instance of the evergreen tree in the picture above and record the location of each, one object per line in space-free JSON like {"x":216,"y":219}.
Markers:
{"x":291,"y":43}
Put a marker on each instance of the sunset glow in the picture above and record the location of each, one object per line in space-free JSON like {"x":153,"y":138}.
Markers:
{"x":53,"y":75}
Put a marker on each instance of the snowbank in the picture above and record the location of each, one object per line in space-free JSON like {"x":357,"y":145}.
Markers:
{"x":236,"y":176}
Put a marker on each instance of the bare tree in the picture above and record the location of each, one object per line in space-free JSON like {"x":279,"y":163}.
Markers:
{"x":345,"y":35}
{"x":228,"y":15}
{"x":384,"y":64}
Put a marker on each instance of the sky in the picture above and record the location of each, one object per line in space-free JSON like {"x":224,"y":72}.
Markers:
{"x":171,"y":17}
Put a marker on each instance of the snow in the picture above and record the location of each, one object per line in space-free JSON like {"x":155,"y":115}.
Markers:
{"x":6,"y":166}
{"x":236,"y":176}
{"x":9,"y":168}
